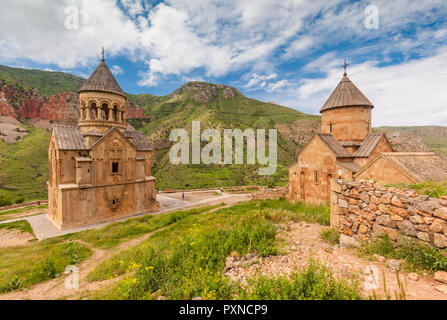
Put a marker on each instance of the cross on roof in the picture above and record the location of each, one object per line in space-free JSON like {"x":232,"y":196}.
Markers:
{"x":345,"y":65}
{"x":102,"y":52}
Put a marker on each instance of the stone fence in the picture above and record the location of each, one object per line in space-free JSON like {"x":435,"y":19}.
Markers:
{"x":23,"y":205}
{"x":361,"y":209}
{"x":264,"y":193}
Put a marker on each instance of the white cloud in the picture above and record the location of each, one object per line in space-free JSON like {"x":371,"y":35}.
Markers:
{"x":36,"y":30}
{"x":259,"y":79}
{"x":116,"y":70}
{"x":411,"y":93}
{"x":272,"y":87}
{"x":299,"y":46}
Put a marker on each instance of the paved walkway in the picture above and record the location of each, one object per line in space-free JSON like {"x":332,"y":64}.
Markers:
{"x":44,"y":229}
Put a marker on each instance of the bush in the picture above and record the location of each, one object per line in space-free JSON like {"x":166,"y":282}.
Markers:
{"x":316,"y":282}
{"x":194,"y":266}
{"x":20,"y":200}
{"x":416,"y":254}
{"x":330,"y":235}
{"x":5,"y":200}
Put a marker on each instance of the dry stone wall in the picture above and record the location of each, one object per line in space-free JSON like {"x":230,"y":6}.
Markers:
{"x":274,"y":193}
{"x":360,"y":209}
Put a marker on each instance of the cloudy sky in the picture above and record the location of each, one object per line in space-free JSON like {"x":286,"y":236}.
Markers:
{"x":287,"y":51}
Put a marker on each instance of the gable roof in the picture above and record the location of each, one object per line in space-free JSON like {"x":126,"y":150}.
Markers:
{"x":334,"y":145}
{"x":139,"y":140}
{"x":107,"y":133}
{"x":102,"y":80}
{"x":69,"y":138}
{"x":418,"y":166}
{"x":350,"y":165}
{"x":368,"y":145}
{"x":346,"y":94}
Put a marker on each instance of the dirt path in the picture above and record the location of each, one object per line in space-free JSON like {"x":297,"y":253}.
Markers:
{"x":10,"y":238}
{"x":303,"y":242}
{"x":55,"y":288}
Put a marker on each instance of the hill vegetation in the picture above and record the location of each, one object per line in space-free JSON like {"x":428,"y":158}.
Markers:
{"x":47,"y":82}
{"x":24,"y":165}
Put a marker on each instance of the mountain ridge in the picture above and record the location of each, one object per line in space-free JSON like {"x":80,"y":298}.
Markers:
{"x":28,"y":107}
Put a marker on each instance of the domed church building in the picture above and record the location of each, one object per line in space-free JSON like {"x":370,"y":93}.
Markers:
{"x":347,"y":148}
{"x":99,"y":170}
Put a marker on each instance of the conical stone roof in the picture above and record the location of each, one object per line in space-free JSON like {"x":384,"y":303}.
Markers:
{"x":102,"y":80}
{"x":346,"y":94}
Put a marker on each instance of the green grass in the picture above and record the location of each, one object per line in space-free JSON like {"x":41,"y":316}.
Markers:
{"x":186,"y":259}
{"x":417,"y":256}
{"x":330,"y":235}
{"x":21,"y":267}
{"x":21,"y":225}
{"x":26,"y":209}
{"x":24,"y":167}
{"x":114,"y":234}
{"x":315,"y":282}
{"x":429,"y":188}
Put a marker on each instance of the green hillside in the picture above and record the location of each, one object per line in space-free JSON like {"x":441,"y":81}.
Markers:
{"x":219,"y":107}
{"x":24,"y":166}
{"x":47,"y":82}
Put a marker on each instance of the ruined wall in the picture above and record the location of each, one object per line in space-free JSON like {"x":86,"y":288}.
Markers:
{"x":362,"y":209}
{"x":275,"y":193}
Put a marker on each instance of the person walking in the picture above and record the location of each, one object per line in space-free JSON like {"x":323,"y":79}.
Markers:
{"x":183,"y":196}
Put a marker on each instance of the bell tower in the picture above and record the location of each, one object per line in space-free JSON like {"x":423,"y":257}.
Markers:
{"x":347,"y":113}
{"x":102,"y":102}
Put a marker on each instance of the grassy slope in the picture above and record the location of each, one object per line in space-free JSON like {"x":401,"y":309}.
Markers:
{"x":170,"y":112}
{"x":47,"y":82}
{"x":433,"y":136}
{"x":24,"y":166}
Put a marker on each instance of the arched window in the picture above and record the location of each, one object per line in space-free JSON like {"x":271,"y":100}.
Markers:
{"x":93,"y":111}
{"x":330,"y":127}
{"x":105,"y":111}
{"x":115,"y":113}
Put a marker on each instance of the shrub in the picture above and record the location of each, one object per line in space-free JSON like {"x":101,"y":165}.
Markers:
{"x":316,"y":282}
{"x":330,"y":235}
{"x":5,"y":200}
{"x":416,"y":254}
{"x":20,"y":200}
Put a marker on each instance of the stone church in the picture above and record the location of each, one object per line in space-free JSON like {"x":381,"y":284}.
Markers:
{"x":347,"y":148}
{"x":99,"y":170}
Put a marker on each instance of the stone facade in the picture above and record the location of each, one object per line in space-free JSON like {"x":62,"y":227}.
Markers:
{"x":353,"y":124}
{"x":98,"y":170}
{"x":361,"y":209}
{"x":346,"y":148}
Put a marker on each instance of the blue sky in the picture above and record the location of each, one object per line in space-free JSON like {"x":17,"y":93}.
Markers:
{"x":288,"y":52}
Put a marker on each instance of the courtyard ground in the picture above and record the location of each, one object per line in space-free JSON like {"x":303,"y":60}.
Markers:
{"x":298,"y":238}
{"x":44,"y":229}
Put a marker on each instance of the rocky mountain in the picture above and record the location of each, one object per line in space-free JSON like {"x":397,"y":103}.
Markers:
{"x":418,"y":138}
{"x":43,"y":97}
{"x":220,"y":107}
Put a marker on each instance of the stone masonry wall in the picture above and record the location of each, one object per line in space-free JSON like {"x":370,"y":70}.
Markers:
{"x":361,"y":209}
{"x":274,"y":193}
